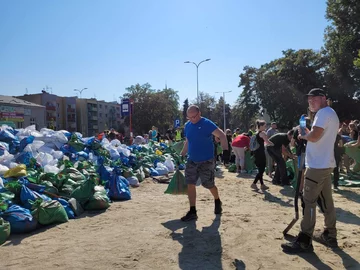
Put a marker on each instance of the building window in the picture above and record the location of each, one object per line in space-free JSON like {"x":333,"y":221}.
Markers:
{"x":32,"y":121}
{"x":100,"y":114}
{"x":100,"y":106}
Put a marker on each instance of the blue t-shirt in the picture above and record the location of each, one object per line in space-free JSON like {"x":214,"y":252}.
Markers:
{"x":200,"y":140}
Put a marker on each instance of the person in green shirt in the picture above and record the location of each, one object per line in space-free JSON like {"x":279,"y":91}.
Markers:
{"x":252,"y":130}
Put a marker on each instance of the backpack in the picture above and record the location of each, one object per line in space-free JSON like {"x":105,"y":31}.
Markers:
{"x":254,"y":144}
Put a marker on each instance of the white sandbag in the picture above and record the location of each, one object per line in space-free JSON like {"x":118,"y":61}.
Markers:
{"x":6,"y":159}
{"x":114,"y":154}
{"x":169,"y":164}
{"x":3,"y":169}
{"x":133,"y":181}
{"x":123,"y":149}
{"x":44,"y":158}
{"x":51,"y":169}
{"x":161,"y":169}
{"x":57,"y":154}
{"x":115,"y":143}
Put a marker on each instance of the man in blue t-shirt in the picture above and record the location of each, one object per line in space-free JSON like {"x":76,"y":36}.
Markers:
{"x":199,"y":146}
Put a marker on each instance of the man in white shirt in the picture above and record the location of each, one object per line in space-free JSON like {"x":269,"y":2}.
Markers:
{"x":319,"y":162}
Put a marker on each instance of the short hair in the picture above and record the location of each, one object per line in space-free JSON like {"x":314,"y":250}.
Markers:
{"x":291,"y":132}
{"x":252,"y":125}
{"x":193,"y":108}
{"x":238,"y":129}
{"x":273,"y":123}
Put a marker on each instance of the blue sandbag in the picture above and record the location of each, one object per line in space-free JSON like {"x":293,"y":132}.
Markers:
{"x":20,"y":219}
{"x":7,"y":136}
{"x":27,"y":194}
{"x":24,"y":158}
{"x":24,"y":142}
{"x":118,"y":186}
{"x":69,"y":211}
{"x":153,"y":172}
{"x":3,"y":147}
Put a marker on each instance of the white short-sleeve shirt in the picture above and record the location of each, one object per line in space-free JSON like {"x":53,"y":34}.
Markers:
{"x":320,"y":154}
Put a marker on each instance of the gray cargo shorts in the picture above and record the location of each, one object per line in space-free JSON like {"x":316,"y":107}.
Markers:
{"x":205,"y":170}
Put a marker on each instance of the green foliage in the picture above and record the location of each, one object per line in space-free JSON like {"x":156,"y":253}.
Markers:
{"x":152,"y":107}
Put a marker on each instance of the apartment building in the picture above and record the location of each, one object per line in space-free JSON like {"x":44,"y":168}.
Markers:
{"x":87,"y":116}
{"x":95,"y":116}
{"x":60,"y":112}
{"x":20,"y":113}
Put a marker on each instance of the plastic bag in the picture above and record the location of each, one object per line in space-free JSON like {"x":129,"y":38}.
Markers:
{"x":20,"y":219}
{"x":133,"y":181}
{"x":27,"y":195}
{"x":49,"y":212}
{"x":4,"y":230}
{"x":3,"y":169}
{"x":18,"y":171}
{"x":118,"y":186}
{"x":84,"y":192}
{"x":24,"y":142}
{"x":99,"y":201}
{"x":161,"y":169}
{"x":177,"y":185}
{"x":68,"y":210}
{"x":169,"y":164}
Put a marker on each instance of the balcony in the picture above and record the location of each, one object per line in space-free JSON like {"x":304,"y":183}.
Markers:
{"x":70,"y":110}
{"x":93,"y":118}
{"x":50,"y":107}
{"x":51,"y":118}
{"x":92,"y":109}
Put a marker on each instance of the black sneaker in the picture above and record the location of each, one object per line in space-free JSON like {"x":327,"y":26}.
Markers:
{"x":328,"y":240}
{"x":301,"y":244}
{"x":218,"y":208}
{"x":189,"y":216}
{"x":297,"y":247}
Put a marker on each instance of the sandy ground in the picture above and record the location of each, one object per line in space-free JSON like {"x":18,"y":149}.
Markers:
{"x":145,"y":233}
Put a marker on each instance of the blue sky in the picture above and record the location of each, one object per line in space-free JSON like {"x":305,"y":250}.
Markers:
{"x":109,"y":45}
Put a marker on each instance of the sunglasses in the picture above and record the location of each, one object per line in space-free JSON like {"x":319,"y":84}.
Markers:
{"x":192,"y":117}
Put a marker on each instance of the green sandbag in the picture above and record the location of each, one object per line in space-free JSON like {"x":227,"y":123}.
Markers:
{"x":98,"y":201}
{"x":354,"y":153}
{"x":232,"y":168}
{"x":73,"y":174}
{"x":178,"y":146}
{"x":49,"y":212}
{"x":6,"y":195}
{"x":127,"y":172}
{"x":3,"y":206}
{"x":76,"y":143}
{"x":14,"y":187}
{"x":84,"y":192}
{"x":146,"y":172}
{"x":249,"y":162}
{"x":4,"y":230}
{"x":177,"y":185}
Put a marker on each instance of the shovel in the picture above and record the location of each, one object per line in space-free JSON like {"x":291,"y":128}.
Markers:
{"x":297,"y":191}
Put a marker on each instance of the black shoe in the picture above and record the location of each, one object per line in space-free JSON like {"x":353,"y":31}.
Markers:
{"x":301,"y":244}
{"x":297,"y":247}
{"x":189,"y":216}
{"x":218,"y":208}
{"x":328,"y":240}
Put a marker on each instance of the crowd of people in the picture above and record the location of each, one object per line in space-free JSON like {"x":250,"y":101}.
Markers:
{"x":319,"y":142}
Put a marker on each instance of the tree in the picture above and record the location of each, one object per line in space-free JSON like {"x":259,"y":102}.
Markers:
{"x":342,"y":44}
{"x":280,"y":86}
{"x":152,"y":107}
{"x":184,"y":111}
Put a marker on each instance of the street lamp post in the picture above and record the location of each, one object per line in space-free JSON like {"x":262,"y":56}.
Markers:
{"x":224,"y":107}
{"x":81,"y":112}
{"x":197,"y":76}
{"x":80,"y":91}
